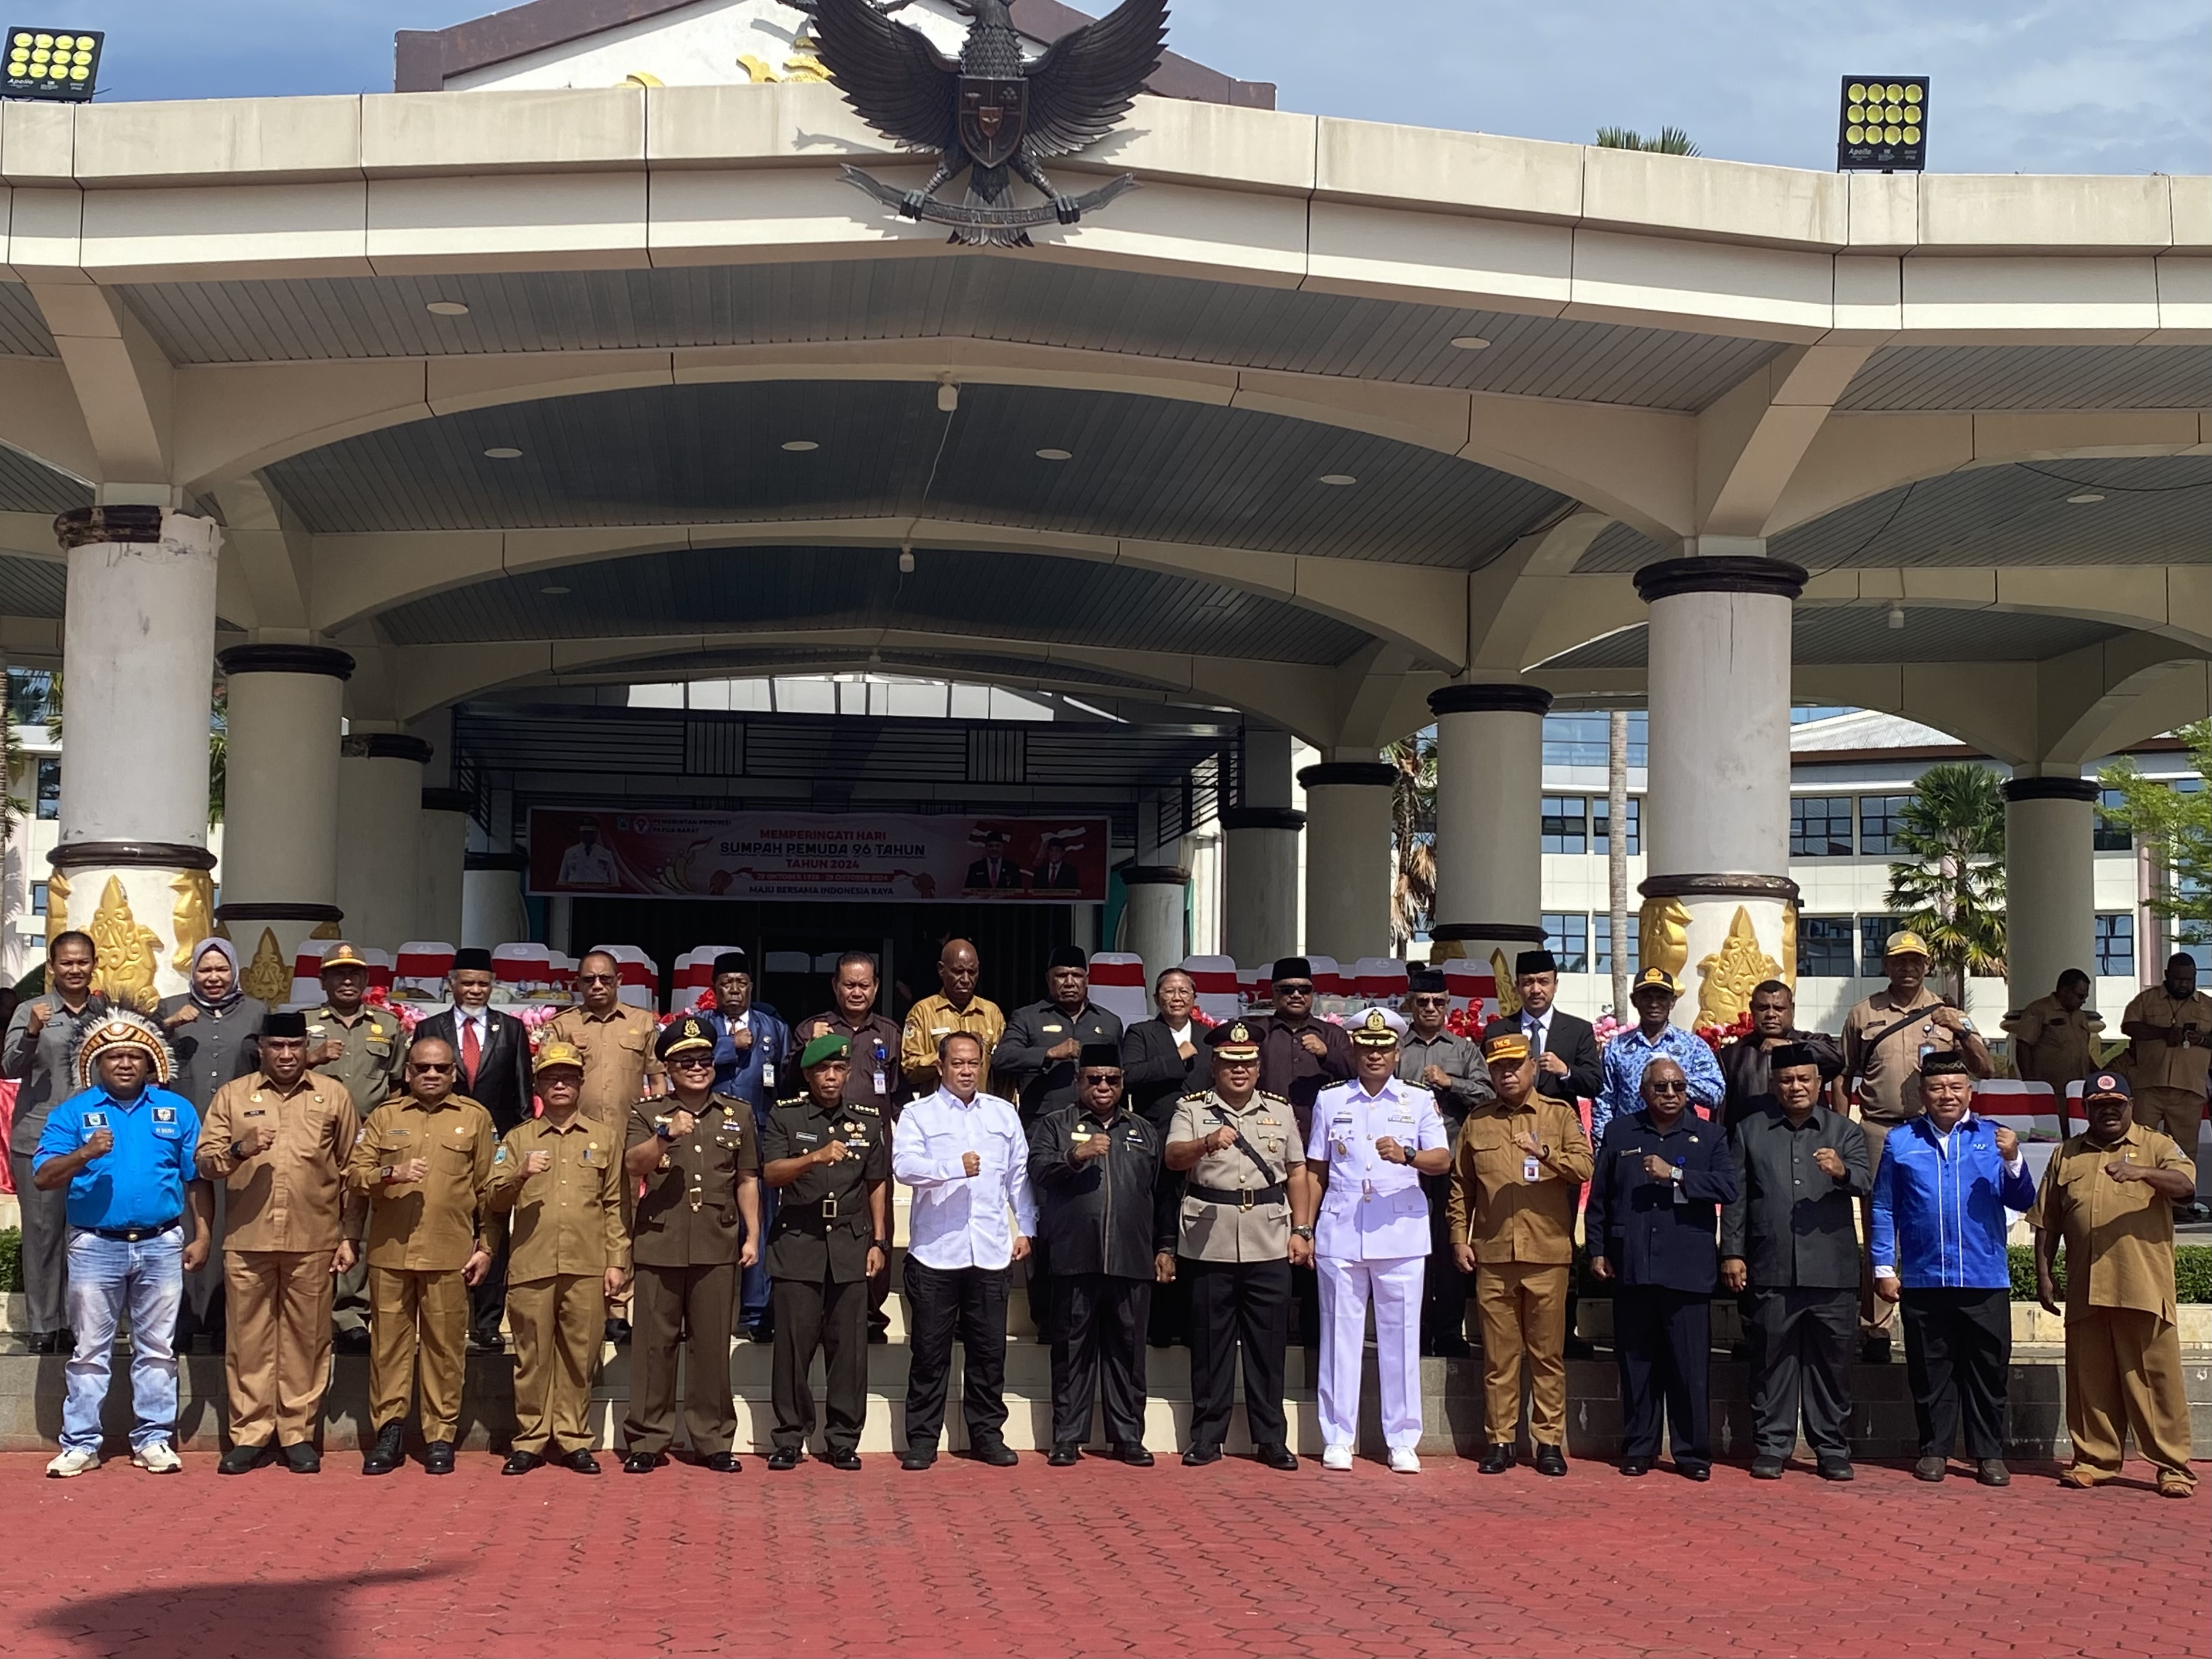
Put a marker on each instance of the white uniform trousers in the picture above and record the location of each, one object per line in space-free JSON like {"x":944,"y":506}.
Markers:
{"x":1344,"y":1287}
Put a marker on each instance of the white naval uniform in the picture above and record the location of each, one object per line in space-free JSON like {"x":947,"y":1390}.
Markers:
{"x":1372,"y":1236}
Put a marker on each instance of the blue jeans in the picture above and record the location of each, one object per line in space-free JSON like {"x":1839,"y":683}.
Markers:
{"x":104,"y":1275}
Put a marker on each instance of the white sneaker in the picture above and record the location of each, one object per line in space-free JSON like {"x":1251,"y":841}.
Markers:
{"x":68,"y":1463}
{"x":157,"y":1457}
{"x":1336,"y":1457}
{"x":1405,"y":1461}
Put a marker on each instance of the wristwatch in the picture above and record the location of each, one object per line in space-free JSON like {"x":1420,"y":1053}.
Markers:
{"x":883,"y":1244}
{"x":1305,"y":1233}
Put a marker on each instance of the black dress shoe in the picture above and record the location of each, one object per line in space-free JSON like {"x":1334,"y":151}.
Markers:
{"x":1636,"y":1467}
{"x":438,"y":1457}
{"x":66,"y":1340}
{"x":43,"y":1342}
{"x":1066,"y":1455}
{"x":763,"y":1331}
{"x":383,"y":1457}
{"x":1200,"y":1455}
{"x":879,"y":1336}
{"x":352,"y":1339}
{"x":301,"y":1458}
{"x":1694,"y":1471}
{"x":617,"y":1332}
{"x":917,"y":1457}
{"x":721,"y":1462}
{"x":1452,"y":1347}
{"x":1551,"y":1459}
{"x":1991,"y":1472}
{"x":581,"y":1462}
{"x":845,"y":1458}
{"x":243,"y":1460}
{"x":784,"y":1459}
{"x":1138,"y":1456}
{"x":643,"y":1463}
{"x":1580,"y":1347}
{"x":1873,"y":1351}
{"x":520,"y":1462}
{"x":997,"y":1453}
{"x":1836,"y":1468}
{"x":479,"y":1342}
{"x":1279,"y":1457}
{"x":1930,"y":1469}
{"x":1768,"y":1468}
{"x":1496,"y":1457}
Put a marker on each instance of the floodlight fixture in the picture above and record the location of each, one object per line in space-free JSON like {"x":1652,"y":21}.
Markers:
{"x":54,"y":65}
{"x":1882,"y":124}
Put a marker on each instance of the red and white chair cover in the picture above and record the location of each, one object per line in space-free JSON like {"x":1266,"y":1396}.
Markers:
{"x":1117,"y":985}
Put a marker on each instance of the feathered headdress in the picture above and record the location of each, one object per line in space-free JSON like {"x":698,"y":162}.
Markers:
{"x":120,"y":1029}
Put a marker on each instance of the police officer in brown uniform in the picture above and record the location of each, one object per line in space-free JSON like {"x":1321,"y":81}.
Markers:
{"x":426,"y":1161}
{"x":362,"y":1048}
{"x":278,"y":1140}
{"x":831,"y":1158}
{"x":561,"y":1192}
{"x":698,"y":1222}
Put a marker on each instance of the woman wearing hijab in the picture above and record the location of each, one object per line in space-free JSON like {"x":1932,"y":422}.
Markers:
{"x":211,"y":1027}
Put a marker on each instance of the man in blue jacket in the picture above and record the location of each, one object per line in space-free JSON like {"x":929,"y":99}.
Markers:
{"x":1940,"y":1196}
{"x":749,"y":1041}
{"x":1661,"y":1175}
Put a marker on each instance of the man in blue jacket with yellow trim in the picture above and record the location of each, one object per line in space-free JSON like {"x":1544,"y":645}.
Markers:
{"x":1940,"y":1196}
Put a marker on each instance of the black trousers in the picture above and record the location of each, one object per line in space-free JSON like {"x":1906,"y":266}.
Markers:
{"x":833,"y":1318}
{"x":1171,"y":1319}
{"x":1663,"y":1342}
{"x":1801,"y":1354}
{"x":1098,"y":1355}
{"x":1957,"y":1357}
{"x":941,"y":1302}
{"x":1445,"y":1288}
{"x":1237,"y":1304}
{"x":487,"y":1301}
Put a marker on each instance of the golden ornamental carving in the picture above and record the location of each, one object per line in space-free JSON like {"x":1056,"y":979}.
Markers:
{"x":1509,"y":998}
{"x":326,"y":930}
{"x":1789,"y":947}
{"x":57,"y":892}
{"x":268,"y":977}
{"x":128,"y":951}
{"x":1662,"y":935}
{"x":1727,"y":977}
{"x":193,"y":916}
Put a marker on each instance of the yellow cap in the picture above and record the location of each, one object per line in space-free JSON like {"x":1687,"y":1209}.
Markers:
{"x":1905,"y":943}
{"x":1506,"y":1045}
{"x":557,"y":1053}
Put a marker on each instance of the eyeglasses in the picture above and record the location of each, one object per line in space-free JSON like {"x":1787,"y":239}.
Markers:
{"x":1661,"y":1086}
{"x":1091,"y":1078}
{"x":1431,"y":1000}
{"x":599,"y":979}
{"x":1293,"y":989}
{"x":687,"y":1063}
{"x":427,"y":1065}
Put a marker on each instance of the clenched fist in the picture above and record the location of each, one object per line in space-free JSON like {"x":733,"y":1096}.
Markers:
{"x":1830,"y":1163}
{"x":537,"y":1162}
{"x":972,"y":1164}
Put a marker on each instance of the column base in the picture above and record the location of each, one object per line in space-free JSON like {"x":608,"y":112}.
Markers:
{"x":146,"y":905}
{"x":1721,"y":936}
{"x":269,"y":937}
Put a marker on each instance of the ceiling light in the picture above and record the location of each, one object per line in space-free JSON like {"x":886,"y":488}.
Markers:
{"x":1470,"y":342}
{"x":948,"y":396}
{"x":1896,"y":616}
{"x":1338,"y":479}
{"x":1055,"y":454}
{"x":2084,"y":499}
{"x":447,"y":308}
{"x":502,"y":452}
{"x":554,"y":591}
{"x":801,"y":446}
{"x":906,"y":562}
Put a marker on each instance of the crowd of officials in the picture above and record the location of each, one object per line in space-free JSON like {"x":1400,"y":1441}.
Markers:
{"x":296,"y":1178}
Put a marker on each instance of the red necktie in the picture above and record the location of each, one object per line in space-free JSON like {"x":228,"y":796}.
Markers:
{"x":470,"y":1051}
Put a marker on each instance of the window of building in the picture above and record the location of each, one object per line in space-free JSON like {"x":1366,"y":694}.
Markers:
{"x":1820,"y":826}
{"x":2108,"y":836}
{"x":38,"y":898}
{"x":1827,"y":948}
{"x":1601,"y":942}
{"x":1567,"y":937}
{"x":1874,"y":934}
{"x":1567,"y":823}
{"x":2194,"y":939}
{"x":28,"y":693}
{"x":2116,"y":945}
{"x":1586,"y":739}
{"x":1601,"y":824}
{"x":50,"y":787}
{"x":1878,"y":821}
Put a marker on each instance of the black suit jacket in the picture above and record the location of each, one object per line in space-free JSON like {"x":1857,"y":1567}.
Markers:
{"x":1155,"y":1076}
{"x":1055,"y":880}
{"x":1573,"y":1041}
{"x":503,"y":1086}
{"x":979,"y":875}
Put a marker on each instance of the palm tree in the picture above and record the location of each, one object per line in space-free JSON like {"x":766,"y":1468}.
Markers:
{"x":1950,"y":887}
{"x":1412,"y":835}
{"x":1671,"y":141}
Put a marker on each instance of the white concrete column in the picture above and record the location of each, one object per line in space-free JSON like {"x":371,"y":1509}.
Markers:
{"x":1260,"y":855}
{"x":442,"y":846}
{"x":379,"y":836}
{"x":1348,"y":857}
{"x":1155,"y":928}
{"x":2050,"y":899}
{"x":1719,"y":908}
{"x":132,"y":866}
{"x":280,"y":854}
{"x":492,"y":911}
{"x":1490,"y":785}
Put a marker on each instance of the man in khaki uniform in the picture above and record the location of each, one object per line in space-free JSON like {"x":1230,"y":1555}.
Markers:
{"x":362,"y":1048}
{"x":2055,"y":1037}
{"x":698,"y":1222}
{"x":954,"y":1008}
{"x":1886,"y":1037}
{"x":1520,"y":1161}
{"x":561,"y":1192}
{"x":426,"y":1161}
{"x":2102,"y":1199}
{"x":278,"y":1142}
{"x":2171,"y":1028}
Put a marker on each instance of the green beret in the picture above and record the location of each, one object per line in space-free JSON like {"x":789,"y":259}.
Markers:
{"x":828,"y":1046}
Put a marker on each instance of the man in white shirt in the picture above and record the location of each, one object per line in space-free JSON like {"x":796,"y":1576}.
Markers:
{"x":964,"y":1155}
{"x":1371,"y":1141}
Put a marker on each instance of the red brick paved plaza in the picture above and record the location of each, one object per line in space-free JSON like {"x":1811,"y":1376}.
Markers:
{"x":1232,"y":1559}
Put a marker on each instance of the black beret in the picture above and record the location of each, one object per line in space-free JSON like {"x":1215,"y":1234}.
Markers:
{"x":1067,"y":955}
{"x":472,"y":958}
{"x":1425,"y":979}
{"x":1535,"y":962}
{"x":276,"y":1025}
{"x":1290,"y":967}
{"x":1097,"y":1056}
{"x":1946,"y":1062}
{"x":1791,"y":1054}
{"x":733,"y":962}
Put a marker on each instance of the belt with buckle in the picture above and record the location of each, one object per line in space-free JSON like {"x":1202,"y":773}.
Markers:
{"x":823,"y":1209}
{"x":135,"y":1234}
{"x":1242,"y":1197}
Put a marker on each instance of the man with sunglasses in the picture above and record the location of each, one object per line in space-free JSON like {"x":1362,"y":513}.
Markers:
{"x":1450,"y":1067}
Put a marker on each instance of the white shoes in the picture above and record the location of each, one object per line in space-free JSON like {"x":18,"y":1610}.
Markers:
{"x":157,"y":1457}
{"x":1404,"y":1460}
{"x":68,"y":1464}
{"x":1336,"y":1457}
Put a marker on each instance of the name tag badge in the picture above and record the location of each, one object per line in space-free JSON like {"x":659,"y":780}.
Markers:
{"x":805,"y":1134}
{"x":768,"y":1074}
{"x":255,"y":1111}
{"x":883,"y":1083}
{"x":1531,"y":1170}
{"x":1052,"y":1028}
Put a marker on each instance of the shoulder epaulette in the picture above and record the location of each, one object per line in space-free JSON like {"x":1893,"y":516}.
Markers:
{"x":1279,"y":1100}
{"x":872,"y":1111}
{"x":1199,"y":1094}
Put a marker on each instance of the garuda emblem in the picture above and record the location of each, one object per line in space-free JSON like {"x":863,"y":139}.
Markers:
{"x":992,"y":114}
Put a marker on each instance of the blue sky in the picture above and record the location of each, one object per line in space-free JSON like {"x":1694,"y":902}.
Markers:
{"x":2061,"y":86}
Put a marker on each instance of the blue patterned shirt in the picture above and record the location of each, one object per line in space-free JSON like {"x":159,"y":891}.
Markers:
{"x":1630,"y":1051}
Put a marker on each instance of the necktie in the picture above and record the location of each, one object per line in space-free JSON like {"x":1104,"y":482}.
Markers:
{"x":472,"y":1050}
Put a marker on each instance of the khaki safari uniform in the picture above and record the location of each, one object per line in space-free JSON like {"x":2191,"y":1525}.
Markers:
{"x":564,"y":1230}
{"x":1522,"y":1227}
{"x":931,"y":1020}
{"x":2168,"y":1081}
{"x":371,"y":1070}
{"x":1884,"y":1043}
{"x":2053,"y":1045}
{"x":420,"y":1237}
{"x":288,"y":1209}
{"x":685,"y":1248}
{"x":2122,"y":1345}
{"x":617,"y":1050}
